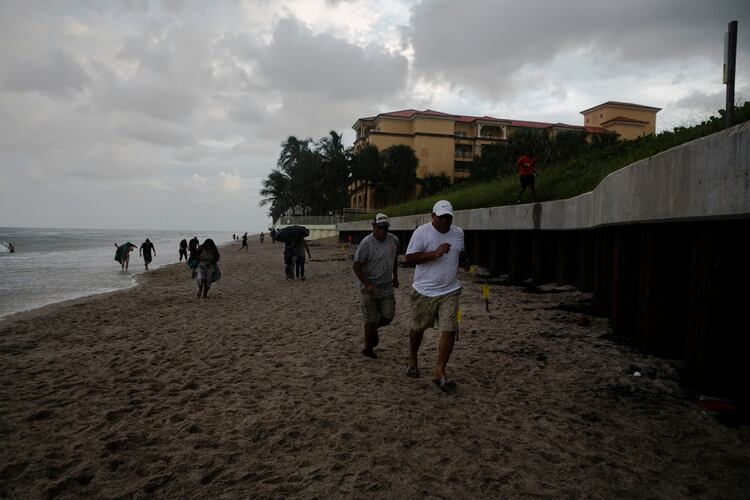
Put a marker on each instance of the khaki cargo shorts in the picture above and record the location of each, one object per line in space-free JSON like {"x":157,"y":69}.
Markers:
{"x":435,"y":312}
{"x":374,"y":308}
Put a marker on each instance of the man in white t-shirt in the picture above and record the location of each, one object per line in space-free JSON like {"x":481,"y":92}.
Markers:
{"x":437,"y":249}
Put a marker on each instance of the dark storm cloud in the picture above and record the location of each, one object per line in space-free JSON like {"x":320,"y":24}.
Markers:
{"x":466,"y":42}
{"x":299,"y":60}
{"x":57,"y":75}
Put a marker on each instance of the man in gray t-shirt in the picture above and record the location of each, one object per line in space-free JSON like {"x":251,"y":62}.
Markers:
{"x":376,"y":267}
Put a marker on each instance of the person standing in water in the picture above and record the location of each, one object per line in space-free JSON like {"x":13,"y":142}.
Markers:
{"x":183,"y":249}
{"x":122,"y":254}
{"x":145,"y":251}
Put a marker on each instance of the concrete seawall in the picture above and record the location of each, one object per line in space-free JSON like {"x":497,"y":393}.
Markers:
{"x":708,"y":178}
{"x":661,"y":244}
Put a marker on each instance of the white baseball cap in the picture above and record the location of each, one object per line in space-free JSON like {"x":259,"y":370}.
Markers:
{"x":381,"y":220}
{"x":443,"y":207}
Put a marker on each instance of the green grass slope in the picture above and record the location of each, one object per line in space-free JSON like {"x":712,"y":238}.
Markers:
{"x":577,"y":176}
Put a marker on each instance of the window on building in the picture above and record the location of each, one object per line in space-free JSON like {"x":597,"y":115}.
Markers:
{"x":461,"y":166}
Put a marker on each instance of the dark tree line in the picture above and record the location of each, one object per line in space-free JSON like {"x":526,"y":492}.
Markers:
{"x":498,"y":160}
{"x":310,"y":176}
{"x":313,"y":177}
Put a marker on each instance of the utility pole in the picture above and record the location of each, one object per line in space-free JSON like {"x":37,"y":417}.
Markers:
{"x":730,"y":59}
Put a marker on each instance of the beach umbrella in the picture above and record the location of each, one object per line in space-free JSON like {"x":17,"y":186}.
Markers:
{"x":292,"y":233}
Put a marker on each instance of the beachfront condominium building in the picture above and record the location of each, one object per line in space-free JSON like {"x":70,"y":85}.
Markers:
{"x":447,"y":144}
{"x":627,"y":120}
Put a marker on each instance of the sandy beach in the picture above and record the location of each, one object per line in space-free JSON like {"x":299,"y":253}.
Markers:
{"x":261,"y":391}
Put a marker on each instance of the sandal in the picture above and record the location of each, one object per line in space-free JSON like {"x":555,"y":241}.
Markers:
{"x":412,"y":372}
{"x":444,"y":385}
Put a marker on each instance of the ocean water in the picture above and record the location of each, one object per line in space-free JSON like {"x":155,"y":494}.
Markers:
{"x":52,"y":265}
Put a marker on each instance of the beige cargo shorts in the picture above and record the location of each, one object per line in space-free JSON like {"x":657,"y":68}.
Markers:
{"x":435,"y":312}
{"x":374,"y":308}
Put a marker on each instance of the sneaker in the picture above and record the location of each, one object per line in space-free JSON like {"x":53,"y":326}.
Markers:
{"x":412,"y":372}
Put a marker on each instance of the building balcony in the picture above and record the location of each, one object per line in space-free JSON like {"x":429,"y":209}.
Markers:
{"x":464,"y":155}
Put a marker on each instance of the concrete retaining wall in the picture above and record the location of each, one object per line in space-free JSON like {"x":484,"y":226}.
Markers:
{"x":705,"y":179}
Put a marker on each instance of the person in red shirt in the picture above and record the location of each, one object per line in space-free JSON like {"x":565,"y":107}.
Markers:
{"x":527,"y":175}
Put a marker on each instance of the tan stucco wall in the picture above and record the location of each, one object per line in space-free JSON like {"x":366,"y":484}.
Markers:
{"x":596,"y":117}
{"x":628,"y":132}
{"x":385,"y":141}
{"x":435,"y":155}
{"x":434,"y":125}
{"x":394,"y":126}
{"x":468,"y":130}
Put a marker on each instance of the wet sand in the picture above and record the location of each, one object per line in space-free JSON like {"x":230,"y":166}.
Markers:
{"x":260,"y":391}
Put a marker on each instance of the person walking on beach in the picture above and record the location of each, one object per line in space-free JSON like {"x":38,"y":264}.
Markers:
{"x":244,"y":242}
{"x":437,"y":249}
{"x":207,"y":271}
{"x":145,"y":251}
{"x":527,"y":176}
{"x":192,"y":261}
{"x":289,"y":253}
{"x":183,"y":249}
{"x":272,"y":232}
{"x":261,"y":236}
{"x":193,"y":247}
{"x":376,"y":267}
{"x":300,"y":247}
{"x":122,"y":254}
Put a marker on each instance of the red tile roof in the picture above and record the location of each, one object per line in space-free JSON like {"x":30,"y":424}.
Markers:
{"x":622,"y":104}
{"x":410,"y":113}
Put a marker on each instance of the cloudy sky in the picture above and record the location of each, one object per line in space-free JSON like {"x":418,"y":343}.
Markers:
{"x":168,"y":114}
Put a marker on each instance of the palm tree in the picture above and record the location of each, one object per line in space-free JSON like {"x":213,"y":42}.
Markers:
{"x":495,"y":159}
{"x":335,"y":171}
{"x":276,"y":193}
{"x":291,"y":151}
{"x":399,"y":179}
{"x":433,"y":184}
{"x":366,"y":167}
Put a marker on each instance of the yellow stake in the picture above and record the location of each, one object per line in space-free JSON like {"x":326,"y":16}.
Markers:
{"x":485,"y":291}
{"x":458,"y":315}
